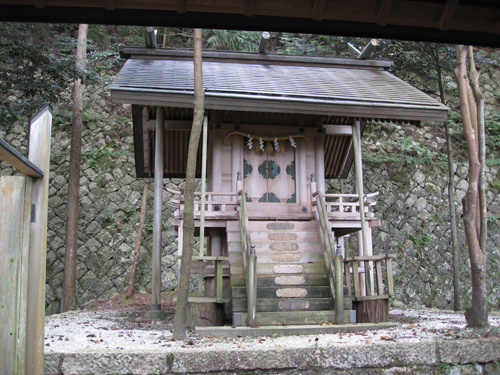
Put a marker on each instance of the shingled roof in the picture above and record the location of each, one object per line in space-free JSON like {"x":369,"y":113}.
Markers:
{"x":348,"y":89}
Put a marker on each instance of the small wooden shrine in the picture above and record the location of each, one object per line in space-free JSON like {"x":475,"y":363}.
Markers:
{"x":276,"y":128}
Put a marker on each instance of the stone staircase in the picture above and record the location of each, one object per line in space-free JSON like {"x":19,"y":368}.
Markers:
{"x":292,"y":285}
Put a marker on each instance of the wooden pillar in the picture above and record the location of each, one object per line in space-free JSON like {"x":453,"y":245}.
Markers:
{"x":319,"y":162}
{"x":236,"y":162}
{"x":39,"y":154}
{"x":157,"y":210}
{"x":302,"y":178}
{"x":216,"y":177}
{"x":365,"y":230}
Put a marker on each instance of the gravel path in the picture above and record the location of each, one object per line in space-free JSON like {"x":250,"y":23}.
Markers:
{"x":108,"y":329}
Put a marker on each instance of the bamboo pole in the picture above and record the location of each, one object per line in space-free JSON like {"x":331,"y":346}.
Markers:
{"x":203,"y":199}
{"x":157,"y":214}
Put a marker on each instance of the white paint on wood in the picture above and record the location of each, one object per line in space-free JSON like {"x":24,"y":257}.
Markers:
{"x":290,"y":280}
{"x":288,"y":268}
{"x":291,"y":293}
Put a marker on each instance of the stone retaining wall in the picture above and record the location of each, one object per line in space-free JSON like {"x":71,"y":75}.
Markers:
{"x":426,"y":357}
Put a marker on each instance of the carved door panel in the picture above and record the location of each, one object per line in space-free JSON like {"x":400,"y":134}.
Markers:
{"x":269,"y":176}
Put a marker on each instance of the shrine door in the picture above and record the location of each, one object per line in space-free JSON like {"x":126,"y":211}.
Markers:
{"x":269,"y":177}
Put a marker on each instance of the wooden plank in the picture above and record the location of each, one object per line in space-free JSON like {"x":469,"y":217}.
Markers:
{"x":18,"y":161}
{"x":347,"y":273}
{"x":449,"y":11}
{"x":383,"y":12}
{"x":268,"y":269}
{"x":198,"y":299}
{"x":315,"y":304}
{"x":13,"y":253}
{"x":390,"y":280}
{"x":371,"y":257}
{"x":271,"y":292}
{"x":266,"y":282}
{"x":355,"y":277}
{"x":39,"y":154}
{"x":380,"y":282}
{"x":372,"y":298}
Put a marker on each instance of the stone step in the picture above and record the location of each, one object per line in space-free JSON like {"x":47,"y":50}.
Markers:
{"x":284,"y":281}
{"x":281,"y":226}
{"x":300,"y":317}
{"x":280,"y":257}
{"x":303,"y":236}
{"x":270,"y":269}
{"x":296,"y":246}
{"x":279,"y":304}
{"x":285,"y":292}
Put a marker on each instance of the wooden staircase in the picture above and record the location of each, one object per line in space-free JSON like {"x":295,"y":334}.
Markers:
{"x":292,"y":285}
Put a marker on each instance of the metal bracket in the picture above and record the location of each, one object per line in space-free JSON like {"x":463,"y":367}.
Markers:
{"x":33,"y":213}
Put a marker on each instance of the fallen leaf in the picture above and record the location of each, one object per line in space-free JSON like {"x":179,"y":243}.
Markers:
{"x":385,"y":338}
{"x":91,"y":335}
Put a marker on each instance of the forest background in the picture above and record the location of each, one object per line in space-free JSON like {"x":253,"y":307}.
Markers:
{"x":406,"y":163}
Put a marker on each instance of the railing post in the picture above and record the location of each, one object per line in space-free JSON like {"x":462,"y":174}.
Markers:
{"x":252,"y":288}
{"x":339,"y":286}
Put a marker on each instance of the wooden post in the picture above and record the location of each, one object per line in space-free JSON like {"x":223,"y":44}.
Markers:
{"x":319,"y":162}
{"x":356,"y":137}
{"x":251,"y":292}
{"x":15,"y":205}
{"x":339,"y":287}
{"x":39,"y":154}
{"x":158,"y":208}
{"x":301,"y":167}
{"x":203,"y":199}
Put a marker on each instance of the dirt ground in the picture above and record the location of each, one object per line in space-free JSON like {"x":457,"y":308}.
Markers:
{"x":129,"y":315}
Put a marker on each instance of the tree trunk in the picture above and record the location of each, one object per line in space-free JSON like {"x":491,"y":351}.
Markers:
{"x":479,"y":98}
{"x":133,"y":270}
{"x":70,"y":259}
{"x":477,"y":315}
{"x":181,"y":313}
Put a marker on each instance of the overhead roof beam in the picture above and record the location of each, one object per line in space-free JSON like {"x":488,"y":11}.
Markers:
{"x":181,"y":6}
{"x":110,"y":4}
{"x":250,"y":8}
{"x":383,"y":12}
{"x":449,"y":11}
{"x":318,"y":10}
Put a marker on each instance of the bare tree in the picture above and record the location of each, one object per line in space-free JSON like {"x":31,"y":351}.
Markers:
{"x":477,"y":314}
{"x":70,"y":259}
{"x":181,"y":313}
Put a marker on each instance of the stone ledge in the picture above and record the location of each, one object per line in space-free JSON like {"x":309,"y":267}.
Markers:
{"x":377,"y":358}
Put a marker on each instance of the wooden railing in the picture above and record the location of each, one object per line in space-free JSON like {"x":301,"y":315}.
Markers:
{"x":217,"y":204}
{"x":357,"y":265}
{"x":347,"y":203}
{"x":249,"y":261}
{"x":331,"y":258}
{"x":209,"y":266}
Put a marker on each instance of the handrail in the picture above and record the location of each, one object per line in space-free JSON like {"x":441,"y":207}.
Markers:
{"x":352,"y":264}
{"x":332,"y":259}
{"x":249,"y":261}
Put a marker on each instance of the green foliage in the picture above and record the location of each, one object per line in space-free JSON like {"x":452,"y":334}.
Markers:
{"x":233,"y":40}
{"x":36,"y":67}
{"x":422,"y":241}
{"x":102,"y":159}
{"x":108,"y":216}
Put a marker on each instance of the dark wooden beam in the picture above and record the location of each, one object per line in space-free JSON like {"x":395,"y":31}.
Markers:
{"x":318,"y":9}
{"x":250,"y":8}
{"x":448,"y":13}
{"x":383,"y":12}
{"x":181,"y":6}
{"x":40,"y":4}
{"x":18,"y":161}
{"x":109,"y":4}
